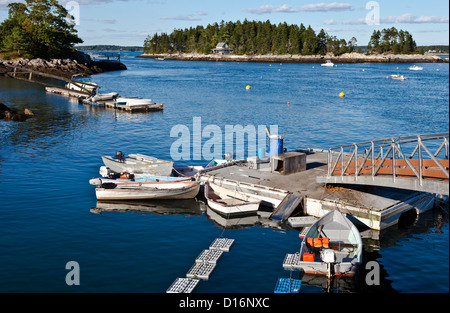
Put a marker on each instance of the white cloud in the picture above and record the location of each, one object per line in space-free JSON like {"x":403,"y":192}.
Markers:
{"x":189,"y":17}
{"x":405,"y":18}
{"x":325,"y":7}
{"x":318,"y":7}
{"x":411,"y":18}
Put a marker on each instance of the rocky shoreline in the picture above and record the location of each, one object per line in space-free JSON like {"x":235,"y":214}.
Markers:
{"x":344,"y":58}
{"x":81,"y":63}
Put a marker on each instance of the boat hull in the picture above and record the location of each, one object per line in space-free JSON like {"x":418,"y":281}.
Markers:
{"x":343,"y":241}
{"x":160,"y":168}
{"x":163,"y":191}
{"x":228,"y":202}
{"x":233,"y":209}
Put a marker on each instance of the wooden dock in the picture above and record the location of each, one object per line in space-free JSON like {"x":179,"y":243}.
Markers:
{"x":124,"y":107}
{"x":84,"y":98}
{"x":375,"y":207}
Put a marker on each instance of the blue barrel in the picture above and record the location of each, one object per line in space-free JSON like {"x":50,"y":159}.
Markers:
{"x":261,"y":153}
{"x":275,"y":145}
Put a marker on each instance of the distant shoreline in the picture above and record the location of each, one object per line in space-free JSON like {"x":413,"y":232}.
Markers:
{"x":344,"y":58}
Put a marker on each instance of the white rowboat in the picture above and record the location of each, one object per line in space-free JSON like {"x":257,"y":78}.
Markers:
{"x":229,"y":202}
{"x":138,"y":164}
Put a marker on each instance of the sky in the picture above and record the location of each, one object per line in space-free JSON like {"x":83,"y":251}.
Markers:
{"x":129,"y":22}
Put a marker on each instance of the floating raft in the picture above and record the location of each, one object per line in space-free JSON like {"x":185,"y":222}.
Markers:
{"x":291,"y":261}
{"x":301,"y":221}
{"x":183,"y":285}
{"x":209,"y":256}
{"x":201,"y":271}
{"x":223,"y":244}
{"x":125,"y":107}
{"x":66,"y":92}
{"x":288,"y":285}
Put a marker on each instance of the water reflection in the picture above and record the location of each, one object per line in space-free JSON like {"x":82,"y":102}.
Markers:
{"x":160,"y":207}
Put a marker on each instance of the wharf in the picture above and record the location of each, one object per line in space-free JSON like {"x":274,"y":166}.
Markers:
{"x":84,"y":98}
{"x":375,"y":207}
{"x":125,"y":107}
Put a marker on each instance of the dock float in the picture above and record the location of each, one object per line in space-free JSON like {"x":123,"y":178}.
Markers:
{"x":288,"y":285}
{"x":125,"y":107}
{"x":183,"y":285}
{"x":132,"y":105}
{"x":66,"y":92}
{"x":223,"y":244}
{"x":204,"y":265}
{"x":375,"y":207}
{"x":201,"y":271}
{"x":209,"y":256}
{"x":291,"y":262}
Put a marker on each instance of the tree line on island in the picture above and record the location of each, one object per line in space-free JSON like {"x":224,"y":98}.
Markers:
{"x":256,"y":37}
{"x":38,"y":29}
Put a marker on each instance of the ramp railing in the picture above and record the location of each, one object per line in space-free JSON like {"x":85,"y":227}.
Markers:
{"x":403,"y":157}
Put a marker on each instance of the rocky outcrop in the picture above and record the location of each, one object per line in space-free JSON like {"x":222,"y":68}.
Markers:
{"x":13,"y":115}
{"x":344,"y":58}
{"x":79,"y":63}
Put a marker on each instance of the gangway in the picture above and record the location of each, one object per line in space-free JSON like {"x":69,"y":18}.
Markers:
{"x":26,"y":74}
{"x":404,"y":162}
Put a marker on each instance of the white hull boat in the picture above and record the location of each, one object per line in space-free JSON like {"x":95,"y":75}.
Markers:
{"x":138,"y":164}
{"x":110,"y":189}
{"x":137,"y":103}
{"x":81,"y":82}
{"x":398,"y":77}
{"x":328,"y":63}
{"x":332,"y":246}
{"x":229,"y":202}
{"x":105,"y":96}
{"x":188,"y":171}
{"x":415,"y":68}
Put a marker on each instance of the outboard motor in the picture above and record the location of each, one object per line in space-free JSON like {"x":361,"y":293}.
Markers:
{"x":105,"y":171}
{"x":120,"y":156}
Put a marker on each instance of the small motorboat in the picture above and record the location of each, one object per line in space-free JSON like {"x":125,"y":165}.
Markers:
{"x":138,"y":164}
{"x":145,"y":188}
{"x":82,"y":82}
{"x":104,"y":96}
{"x":398,"y":77}
{"x":131,"y":179}
{"x":332,"y":246}
{"x":229,"y":202}
{"x":415,"y":68}
{"x":328,"y":63}
{"x":188,"y":171}
{"x":137,"y":104}
{"x":133,"y":101}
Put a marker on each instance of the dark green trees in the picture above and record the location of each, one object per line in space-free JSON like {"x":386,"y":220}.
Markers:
{"x":38,"y":28}
{"x":247,"y":37}
{"x":392,"y":40}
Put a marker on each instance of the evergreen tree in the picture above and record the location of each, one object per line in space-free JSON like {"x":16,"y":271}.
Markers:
{"x":249,"y":37}
{"x":392,"y":40}
{"x":38,"y":28}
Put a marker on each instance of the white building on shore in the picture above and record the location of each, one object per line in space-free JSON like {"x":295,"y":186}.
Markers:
{"x":222,"y":48}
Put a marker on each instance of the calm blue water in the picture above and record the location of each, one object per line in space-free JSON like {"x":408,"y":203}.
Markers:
{"x":45,"y":164}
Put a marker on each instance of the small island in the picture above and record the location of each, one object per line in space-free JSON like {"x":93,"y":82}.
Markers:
{"x":256,"y":41}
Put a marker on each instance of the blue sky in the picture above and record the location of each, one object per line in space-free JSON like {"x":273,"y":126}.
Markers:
{"x":128,"y":22}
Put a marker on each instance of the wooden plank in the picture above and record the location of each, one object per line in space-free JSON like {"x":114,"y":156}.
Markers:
{"x":286,"y":207}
